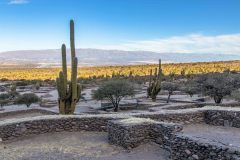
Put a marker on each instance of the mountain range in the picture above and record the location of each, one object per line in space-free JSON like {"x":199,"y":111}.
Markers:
{"x":96,"y":57}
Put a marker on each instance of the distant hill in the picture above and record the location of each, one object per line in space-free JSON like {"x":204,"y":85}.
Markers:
{"x":93,"y":57}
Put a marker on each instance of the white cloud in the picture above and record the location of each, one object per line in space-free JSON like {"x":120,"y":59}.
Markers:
{"x":18,"y":2}
{"x":192,"y":43}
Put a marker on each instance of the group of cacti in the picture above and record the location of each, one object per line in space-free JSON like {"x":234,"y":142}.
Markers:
{"x":69,"y":91}
{"x":155,"y":82}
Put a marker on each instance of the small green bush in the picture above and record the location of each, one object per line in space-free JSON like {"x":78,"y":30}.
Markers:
{"x":236,"y":95}
{"x":170,"y":87}
{"x":27,"y":99}
{"x":22,"y":83}
{"x":4,"y":96}
{"x":4,"y":99}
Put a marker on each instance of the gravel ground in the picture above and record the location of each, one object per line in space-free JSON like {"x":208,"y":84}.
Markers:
{"x":228,"y":136}
{"x":76,"y":146}
{"x":21,"y":115}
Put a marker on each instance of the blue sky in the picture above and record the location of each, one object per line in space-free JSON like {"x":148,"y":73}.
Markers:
{"x":190,"y":26}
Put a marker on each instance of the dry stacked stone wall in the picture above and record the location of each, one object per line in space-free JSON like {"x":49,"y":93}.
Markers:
{"x":186,"y":148}
{"x":223,"y":118}
{"x":53,"y":123}
{"x":130,"y":130}
{"x":176,"y":117}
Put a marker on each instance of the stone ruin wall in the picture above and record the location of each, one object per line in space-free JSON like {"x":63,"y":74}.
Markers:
{"x":126,"y":131}
{"x":223,"y":118}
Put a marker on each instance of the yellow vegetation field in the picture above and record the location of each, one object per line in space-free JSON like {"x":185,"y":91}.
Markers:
{"x":141,"y":70}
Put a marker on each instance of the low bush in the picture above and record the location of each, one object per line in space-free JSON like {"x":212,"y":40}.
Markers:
{"x":4,"y":99}
{"x":27,"y":99}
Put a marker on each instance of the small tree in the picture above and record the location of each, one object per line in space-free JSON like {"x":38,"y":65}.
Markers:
{"x":190,"y":88}
{"x":37,"y":86}
{"x":13,"y":88}
{"x":12,"y":92}
{"x":218,"y":85}
{"x":114,"y":91}
{"x":27,"y":99}
{"x":170,"y":87}
{"x":22,"y":83}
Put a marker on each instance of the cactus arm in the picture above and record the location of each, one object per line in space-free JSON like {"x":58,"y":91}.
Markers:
{"x":62,"y":99}
{"x":61,"y":94}
{"x":150,"y":77}
{"x":72,"y":40}
{"x":62,"y":86}
{"x":58,"y":87}
{"x":69,"y":93}
{"x":155,"y":73}
{"x":74,"y":69}
{"x":64,"y":66}
{"x":74,"y":79}
{"x":159,"y":64}
{"x":62,"y":106}
{"x":159,"y":69}
{"x":60,"y":82}
{"x":74,"y":85}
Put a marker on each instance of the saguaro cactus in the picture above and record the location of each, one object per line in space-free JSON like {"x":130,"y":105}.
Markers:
{"x":155,"y":82}
{"x":69,"y":92}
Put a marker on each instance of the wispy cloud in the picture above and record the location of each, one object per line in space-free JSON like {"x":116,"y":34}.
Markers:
{"x":192,"y":43}
{"x":15,"y":2}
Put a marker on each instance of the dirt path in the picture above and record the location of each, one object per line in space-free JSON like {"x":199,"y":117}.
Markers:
{"x":76,"y":146}
{"x":228,"y":136}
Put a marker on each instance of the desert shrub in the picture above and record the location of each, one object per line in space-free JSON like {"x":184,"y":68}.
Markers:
{"x":190,"y":88}
{"x":27,"y":99}
{"x":171,"y":76}
{"x":13,"y":91}
{"x":37,"y":86}
{"x":4,"y":99}
{"x":13,"y":88}
{"x":13,"y":94}
{"x":4,"y":102}
{"x":4,"y":96}
{"x":137,"y":79}
{"x":22,"y":83}
{"x":170,"y":87}
{"x":114,"y":91}
{"x":2,"y":88}
{"x":236,"y":95}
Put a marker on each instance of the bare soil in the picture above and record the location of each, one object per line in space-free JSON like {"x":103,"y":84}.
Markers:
{"x":228,"y":136}
{"x":76,"y":146}
{"x":21,"y":115}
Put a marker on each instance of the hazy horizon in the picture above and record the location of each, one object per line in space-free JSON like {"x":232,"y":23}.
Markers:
{"x":96,"y":57}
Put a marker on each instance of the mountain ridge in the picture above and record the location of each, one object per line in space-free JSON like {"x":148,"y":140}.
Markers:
{"x":99,"y":57}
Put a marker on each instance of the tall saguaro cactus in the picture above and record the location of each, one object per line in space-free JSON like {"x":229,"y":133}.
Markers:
{"x":155,"y":82}
{"x":69,"y":92}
